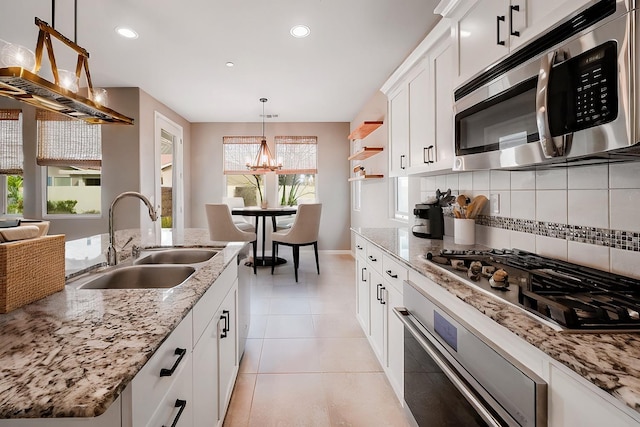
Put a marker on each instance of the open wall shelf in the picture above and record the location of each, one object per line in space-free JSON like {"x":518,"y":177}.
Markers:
{"x":364,"y":177}
{"x":365,"y":153}
{"x":365,"y":129}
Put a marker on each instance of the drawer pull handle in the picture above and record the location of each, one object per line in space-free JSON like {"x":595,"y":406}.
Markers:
{"x":179,"y":404}
{"x":180,"y":352}
{"x":393,"y":276}
{"x":359,"y":247}
{"x":372,"y":258}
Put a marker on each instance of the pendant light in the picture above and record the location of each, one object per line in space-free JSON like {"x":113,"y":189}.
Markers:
{"x":264,"y":161}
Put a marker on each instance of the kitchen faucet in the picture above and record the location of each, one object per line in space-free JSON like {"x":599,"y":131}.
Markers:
{"x":112,"y":258}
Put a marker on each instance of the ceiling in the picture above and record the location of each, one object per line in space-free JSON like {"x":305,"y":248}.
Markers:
{"x":180,"y":55}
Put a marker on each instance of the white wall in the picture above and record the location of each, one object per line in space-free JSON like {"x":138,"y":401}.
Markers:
{"x":208,"y":183}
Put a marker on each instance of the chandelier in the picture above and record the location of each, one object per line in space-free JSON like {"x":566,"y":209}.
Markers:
{"x":19,"y":80}
{"x":264,"y":161}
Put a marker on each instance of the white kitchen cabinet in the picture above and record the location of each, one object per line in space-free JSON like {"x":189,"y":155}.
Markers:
{"x":420,"y":95}
{"x":215,"y":354}
{"x":488,"y":30}
{"x":398,"y":131}
{"x":362,"y":293}
{"x":394,"y":366}
{"x":145,"y":394}
{"x":378,"y":313}
{"x":176,"y":407}
{"x":227,"y":349}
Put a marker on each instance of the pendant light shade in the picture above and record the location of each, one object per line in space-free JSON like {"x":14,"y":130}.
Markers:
{"x":264,"y":161}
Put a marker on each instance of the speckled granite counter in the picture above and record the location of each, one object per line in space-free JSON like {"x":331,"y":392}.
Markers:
{"x":71,"y":354}
{"x":610,"y":361}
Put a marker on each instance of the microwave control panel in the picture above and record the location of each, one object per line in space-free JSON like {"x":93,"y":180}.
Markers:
{"x":583,"y":90}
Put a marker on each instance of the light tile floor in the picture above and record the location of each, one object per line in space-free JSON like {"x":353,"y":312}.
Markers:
{"x":307,"y":361}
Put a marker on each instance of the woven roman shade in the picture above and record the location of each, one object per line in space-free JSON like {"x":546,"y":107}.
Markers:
{"x":298,"y":154}
{"x":11,"y":154}
{"x":238,"y":150}
{"x":63,"y":141}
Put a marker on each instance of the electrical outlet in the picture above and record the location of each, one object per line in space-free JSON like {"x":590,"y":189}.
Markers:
{"x":494,"y":202}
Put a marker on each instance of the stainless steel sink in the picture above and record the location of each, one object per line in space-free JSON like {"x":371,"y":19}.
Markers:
{"x":178,"y":256}
{"x":141,"y":277}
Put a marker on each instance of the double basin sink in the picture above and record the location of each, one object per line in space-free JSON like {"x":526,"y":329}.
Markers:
{"x":160,"y":269}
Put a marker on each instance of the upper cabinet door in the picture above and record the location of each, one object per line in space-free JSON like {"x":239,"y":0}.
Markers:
{"x":441,"y":70}
{"x":482,"y":35}
{"x":399,"y":132}
{"x":420,"y":124}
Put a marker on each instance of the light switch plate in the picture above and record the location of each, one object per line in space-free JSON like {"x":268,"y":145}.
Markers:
{"x":494,"y":202}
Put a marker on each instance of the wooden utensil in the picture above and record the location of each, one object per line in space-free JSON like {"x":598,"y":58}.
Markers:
{"x":476,"y":206}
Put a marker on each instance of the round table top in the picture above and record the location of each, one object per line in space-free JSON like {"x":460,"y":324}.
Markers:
{"x":258,"y":211}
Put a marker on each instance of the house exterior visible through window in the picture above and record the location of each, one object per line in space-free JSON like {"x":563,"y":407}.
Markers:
{"x":11,"y":162}
{"x":296,"y":180}
{"x":71,"y":151}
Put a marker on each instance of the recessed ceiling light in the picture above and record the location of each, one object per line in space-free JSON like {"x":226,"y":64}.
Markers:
{"x":229,"y":64}
{"x":300,"y":31}
{"x":127,"y":32}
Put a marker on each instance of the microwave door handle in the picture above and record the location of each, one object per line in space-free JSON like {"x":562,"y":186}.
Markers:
{"x":542,"y":120}
{"x":551,"y":146}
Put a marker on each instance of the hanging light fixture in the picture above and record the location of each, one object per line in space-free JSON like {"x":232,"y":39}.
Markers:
{"x":264,"y":161}
{"x":20,"y":80}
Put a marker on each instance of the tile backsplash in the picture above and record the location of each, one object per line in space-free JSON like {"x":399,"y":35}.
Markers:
{"x":584,"y":214}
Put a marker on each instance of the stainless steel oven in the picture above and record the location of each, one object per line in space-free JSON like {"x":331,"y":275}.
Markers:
{"x":570,"y":95}
{"x":453,"y":378}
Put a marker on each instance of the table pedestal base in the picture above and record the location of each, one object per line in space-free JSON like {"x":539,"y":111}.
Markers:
{"x":266,"y":261}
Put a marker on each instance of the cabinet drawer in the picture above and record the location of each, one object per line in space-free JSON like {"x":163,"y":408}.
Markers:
{"x":207,"y":305}
{"x":149,"y":385}
{"x":394,"y":272}
{"x":361,"y":246}
{"x":176,"y":407}
{"x":374,"y":258}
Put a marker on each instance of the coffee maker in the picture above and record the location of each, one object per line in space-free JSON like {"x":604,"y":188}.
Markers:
{"x":429,"y":221}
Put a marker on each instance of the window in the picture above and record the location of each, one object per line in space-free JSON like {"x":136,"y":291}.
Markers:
{"x":297,"y":179}
{"x":71,"y":151}
{"x":11,"y":162}
{"x":402,"y":198}
{"x":238,"y":151}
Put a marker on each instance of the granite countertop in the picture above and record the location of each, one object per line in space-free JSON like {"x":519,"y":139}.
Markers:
{"x":610,"y":361}
{"x":72,"y":354}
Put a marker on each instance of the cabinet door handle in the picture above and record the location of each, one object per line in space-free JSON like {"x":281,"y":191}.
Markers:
{"x":430,"y":152}
{"x":402,"y":165}
{"x":179,"y":404}
{"x":425,"y":154}
{"x":227,"y":321}
{"x":180,"y":352}
{"x":500,"y":18}
{"x":382,"y":301}
{"x":372,"y":258}
{"x":511,"y":9}
{"x":378,"y":286}
{"x":393,"y":276}
{"x":223,"y":334}
{"x":362,"y":275}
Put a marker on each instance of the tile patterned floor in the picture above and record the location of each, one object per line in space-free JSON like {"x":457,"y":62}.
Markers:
{"x":307,"y":361}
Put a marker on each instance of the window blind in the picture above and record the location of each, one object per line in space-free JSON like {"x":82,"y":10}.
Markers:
{"x":238,"y":150}
{"x":298,"y":154}
{"x":11,"y":154}
{"x":63,"y":141}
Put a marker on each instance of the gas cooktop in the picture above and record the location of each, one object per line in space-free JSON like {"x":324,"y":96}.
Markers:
{"x":577,"y":298}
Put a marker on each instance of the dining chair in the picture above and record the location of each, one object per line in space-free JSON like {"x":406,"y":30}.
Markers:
{"x":303,"y":232}
{"x":222,"y":228}
{"x":240,"y":221}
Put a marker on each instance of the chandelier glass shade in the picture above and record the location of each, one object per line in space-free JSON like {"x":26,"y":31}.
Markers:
{"x":264,"y":161}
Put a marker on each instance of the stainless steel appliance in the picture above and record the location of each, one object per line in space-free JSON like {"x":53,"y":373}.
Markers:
{"x":569,"y":297}
{"x":453,"y":378}
{"x":429,"y":221}
{"x":570,"y":95}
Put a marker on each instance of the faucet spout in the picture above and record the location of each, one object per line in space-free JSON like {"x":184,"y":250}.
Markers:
{"x":112,"y":258}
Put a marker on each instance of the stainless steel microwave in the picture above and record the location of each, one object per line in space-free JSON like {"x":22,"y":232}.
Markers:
{"x":571,"y":95}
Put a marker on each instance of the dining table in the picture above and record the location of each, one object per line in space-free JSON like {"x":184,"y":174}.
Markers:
{"x":259,"y":212}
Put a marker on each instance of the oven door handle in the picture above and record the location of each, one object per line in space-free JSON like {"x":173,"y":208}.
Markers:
{"x":407,"y":319}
